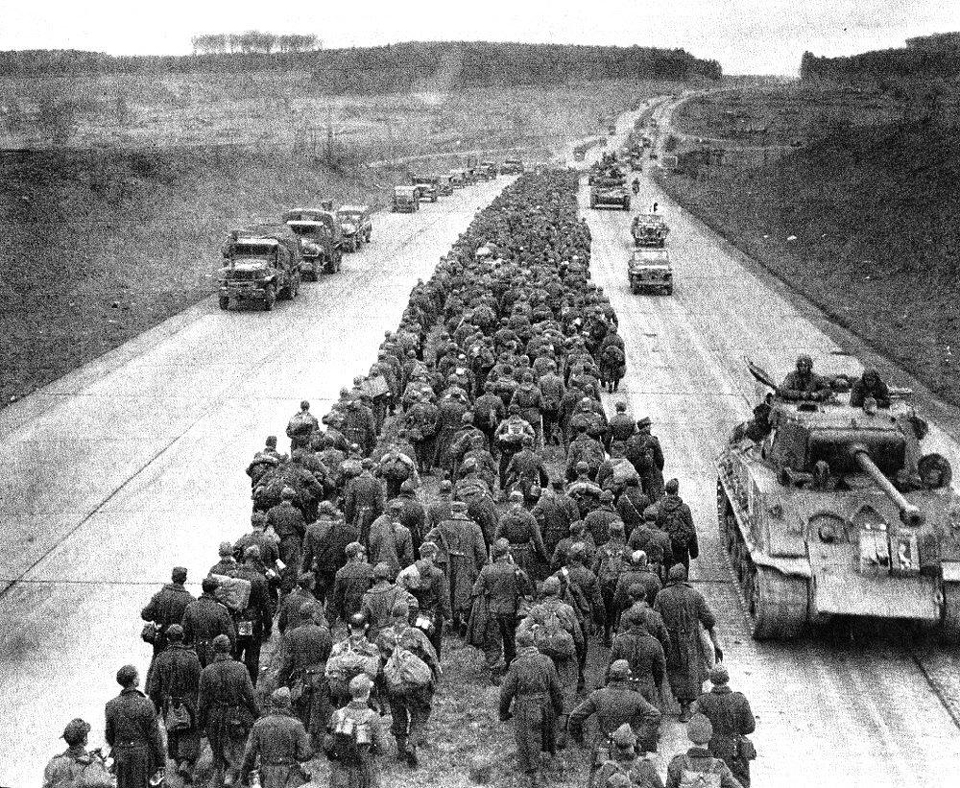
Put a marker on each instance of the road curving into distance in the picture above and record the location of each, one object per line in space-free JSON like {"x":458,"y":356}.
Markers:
{"x":853,"y":711}
{"x":134,"y":463}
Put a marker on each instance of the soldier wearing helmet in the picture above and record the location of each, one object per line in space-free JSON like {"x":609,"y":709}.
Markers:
{"x":803,"y":384}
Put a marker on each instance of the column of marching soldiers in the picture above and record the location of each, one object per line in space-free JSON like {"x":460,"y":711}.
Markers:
{"x":552,"y":533}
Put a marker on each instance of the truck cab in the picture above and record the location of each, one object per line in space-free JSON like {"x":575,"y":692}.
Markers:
{"x":320,"y":240}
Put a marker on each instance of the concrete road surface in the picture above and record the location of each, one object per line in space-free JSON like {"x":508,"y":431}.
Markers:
{"x":134,"y":464}
{"x":851,"y":714}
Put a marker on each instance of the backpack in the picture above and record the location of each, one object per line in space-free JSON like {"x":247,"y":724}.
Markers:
{"x":300,"y":424}
{"x":405,"y":671}
{"x":395,"y":469}
{"x":693,"y":778}
{"x":623,"y":471}
{"x":675,"y":526}
{"x":612,"y":562}
{"x":349,"y":736}
{"x":551,"y":639}
{"x":234,"y":592}
{"x":349,"y":663}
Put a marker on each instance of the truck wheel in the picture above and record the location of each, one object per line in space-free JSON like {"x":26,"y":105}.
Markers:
{"x":269,"y":298}
{"x":224,"y":302}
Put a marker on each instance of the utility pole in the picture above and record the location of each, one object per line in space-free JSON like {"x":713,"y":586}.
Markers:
{"x":329,"y":134}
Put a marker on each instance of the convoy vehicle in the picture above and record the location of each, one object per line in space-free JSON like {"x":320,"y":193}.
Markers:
{"x":458,"y":179}
{"x":827,"y":509}
{"x":612,"y":129}
{"x":649,"y":270}
{"x":321,"y":240}
{"x":426,"y":187}
{"x":405,"y":199}
{"x":444,"y":184}
{"x":512,"y":167}
{"x":355,"y":224}
{"x":489,"y":170}
{"x":260,"y":264}
{"x":609,"y":190}
{"x":649,"y":229}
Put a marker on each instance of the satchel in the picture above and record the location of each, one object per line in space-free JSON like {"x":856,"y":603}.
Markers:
{"x":746,"y":749}
{"x":95,"y":774}
{"x":177,"y":716}
{"x":149,"y":633}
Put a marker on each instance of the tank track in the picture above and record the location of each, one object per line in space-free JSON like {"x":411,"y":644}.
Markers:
{"x":950,"y":628}
{"x":775,"y":604}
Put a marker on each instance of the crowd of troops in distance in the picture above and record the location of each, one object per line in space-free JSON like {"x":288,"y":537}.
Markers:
{"x":552,"y":535}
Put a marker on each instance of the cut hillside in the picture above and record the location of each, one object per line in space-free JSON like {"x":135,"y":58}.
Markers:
{"x":872,"y":214}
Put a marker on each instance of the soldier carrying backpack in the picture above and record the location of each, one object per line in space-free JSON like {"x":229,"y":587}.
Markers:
{"x":674,"y":519}
{"x":697,"y":768}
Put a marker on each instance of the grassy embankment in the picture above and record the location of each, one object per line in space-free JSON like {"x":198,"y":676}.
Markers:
{"x":870,"y":199}
{"x":119,"y":228}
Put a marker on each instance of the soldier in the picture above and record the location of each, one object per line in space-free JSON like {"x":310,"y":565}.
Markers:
{"x":553,"y":517}
{"x":278,"y":744}
{"x":578,"y":535}
{"x":359,"y":426}
{"x":620,"y":428}
{"x":644,"y":452}
{"x":616,"y":704}
{"x":533,"y":688}
{"x":497,"y":593}
{"x":462,"y":555}
{"x":609,"y":566}
{"x":166,"y":607}
{"x":255,"y":623}
{"x":675,"y":520}
{"x":488,"y":412}
{"x":305,"y":649}
{"x":433,"y":595}
{"x":461,"y":443}
{"x":599,"y":520}
{"x":631,"y":504}
{"x":525,"y":469}
{"x":654,"y":542}
{"x":352,"y":656}
{"x":697,"y":766}
{"x":552,"y":390}
{"x":410,"y":705}
{"x":624,"y":769}
{"x":522,"y":532}
{"x":644,"y":653}
{"x":227,"y":563}
{"x":390,"y":541}
{"x":377,"y":603}
{"x":133,"y":733}
{"x":530,"y":400}
{"x":269,"y":550}
{"x":584,"y":492}
{"x":290,"y":606}
{"x":395,"y":468}
{"x":226,"y":710}
{"x":350,"y":584}
{"x":412,"y":513}
{"x":205,"y":619}
{"x":325,"y":548}
{"x":363,"y":499}
{"x":639,"y":572}
{"x":802,"y":384}
{"x":583,"y":449}
{"x":440,"y":509}
{"x":173,"y":685}
{"x":869,"y":386}
{"x":288,"y":523}
{"x":684,"y":609}
{"x":421,"y":423}
{"x":66,"y":769}
{"x":486,"y":466}
{"x":301,"y":427}
{"x":264,"y":461}
{"x":652,"y":620}
{"x":452,"y":406}
{"x":355,"y":737}
{"x":732,"y":719}
{"x":508,"y":439}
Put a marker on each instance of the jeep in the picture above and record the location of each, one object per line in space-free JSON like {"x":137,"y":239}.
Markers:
{"x":650,"y":270}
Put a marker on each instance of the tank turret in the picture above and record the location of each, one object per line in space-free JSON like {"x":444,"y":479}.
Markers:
{"x":827,"y":509}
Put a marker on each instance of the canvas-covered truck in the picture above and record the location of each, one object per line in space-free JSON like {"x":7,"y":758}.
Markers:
{"x":405,"y":199}
{"x":355,"y":224}
{"x":608,"y":191}
{"x":260,"y":265}
{"x":321,"y":240}
{"x":426,"y":186}
{"x":649,"y":271}
{"x":649,"y":229}
{"x":512,"y":167}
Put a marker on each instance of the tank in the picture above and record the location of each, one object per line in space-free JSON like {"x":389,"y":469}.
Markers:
{"x":826,"y":509}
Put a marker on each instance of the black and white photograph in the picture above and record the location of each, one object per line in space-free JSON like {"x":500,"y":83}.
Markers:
{"x":460,"y":395}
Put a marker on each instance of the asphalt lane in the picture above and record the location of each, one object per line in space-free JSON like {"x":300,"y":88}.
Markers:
{"x":828,"y":713}
{"x":134,"y":464}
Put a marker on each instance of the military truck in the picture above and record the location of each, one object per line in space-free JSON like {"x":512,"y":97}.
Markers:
{"x":426,"y":186}
{"x":512,"y":167}
{"x":405,"y":199}
{"x":458,"y":179}
{"x":260,"y":265}
{"x":649,"y":229}
{"x":609,"y":189}
{"x":489,"y":170}
{"x":827,"y":509}
{"x":320,"y":238}
{"x":355,"y":224}
{"x":649,"y":270}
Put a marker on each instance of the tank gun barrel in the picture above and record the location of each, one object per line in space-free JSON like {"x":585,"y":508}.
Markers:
{"x":909,"y":513}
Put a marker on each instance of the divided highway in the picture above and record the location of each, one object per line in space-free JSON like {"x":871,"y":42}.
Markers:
{"x":134,"y":463}
{"x":855,"y":713}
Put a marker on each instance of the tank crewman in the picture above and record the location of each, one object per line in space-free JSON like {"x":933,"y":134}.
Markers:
{"x":732,"y":719}
{"x":803,"y":384}
{"x":133,"y":733}
{"x":166,"y":607}
{"x":697,"y":764}
{"x":532,"y":688}
{"x":684,"y":610}
{"x":226,"y":710}
{"x":278,"y":744}
{"x":870,"y":386}
{"x":174,"y":687}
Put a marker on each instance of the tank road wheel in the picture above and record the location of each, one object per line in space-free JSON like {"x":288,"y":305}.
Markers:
{"x":776,"y":604}
{"x":269,"y":298}
{"x":224,"y":302}
{"x":951,"y":613}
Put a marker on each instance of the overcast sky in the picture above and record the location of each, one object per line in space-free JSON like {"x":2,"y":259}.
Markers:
{"x":746,"y":36}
